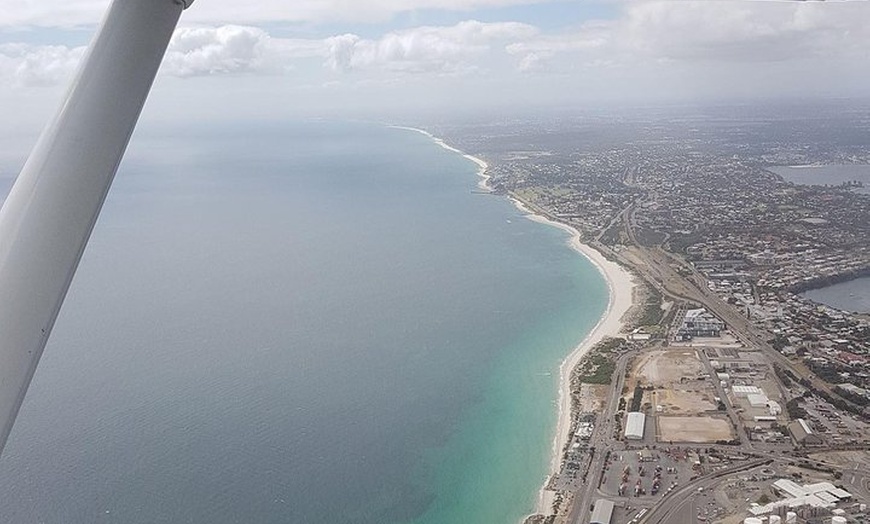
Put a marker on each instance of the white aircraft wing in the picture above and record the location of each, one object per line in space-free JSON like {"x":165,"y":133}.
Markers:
{"x":48,"y":216}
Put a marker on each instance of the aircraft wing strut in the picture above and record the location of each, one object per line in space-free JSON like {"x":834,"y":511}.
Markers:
{"x":48,"y":216}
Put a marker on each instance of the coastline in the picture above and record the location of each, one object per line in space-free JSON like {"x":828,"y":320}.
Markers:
{"x":482,"y":166}
{"x":620,"y":284}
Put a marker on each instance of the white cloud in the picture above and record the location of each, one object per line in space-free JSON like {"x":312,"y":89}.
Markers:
{"x":743,"y":31}
{"x":341,"y":50}
{"x":425,"y":49}
{"x":708,"y":31}
{"x":33,"y":66}
{"x":233,"y":49}
{"x":227,"y":49}
{"x":651,"y":46}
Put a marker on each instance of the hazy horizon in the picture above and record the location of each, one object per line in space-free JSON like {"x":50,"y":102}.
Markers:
{"x":387,"y":59}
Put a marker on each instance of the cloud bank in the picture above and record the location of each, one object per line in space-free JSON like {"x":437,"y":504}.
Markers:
{"x":692,"y":41}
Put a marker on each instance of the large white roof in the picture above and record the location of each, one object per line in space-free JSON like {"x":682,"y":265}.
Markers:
{"x":634,"y":425}
{"x":819,"y":495}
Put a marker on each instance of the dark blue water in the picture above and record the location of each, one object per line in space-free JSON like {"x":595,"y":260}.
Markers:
{"x":312,"y":323}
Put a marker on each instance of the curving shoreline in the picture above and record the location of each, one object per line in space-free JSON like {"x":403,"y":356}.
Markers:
{"x":620,"y":285}
{"x":482,"y":166}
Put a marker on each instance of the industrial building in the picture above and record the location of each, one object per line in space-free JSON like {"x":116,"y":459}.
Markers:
{"x":745,"y":391}
{"x":699,"y":323}
{"x":602,"y":513}
{"x":757,"y":400}
{"x":820,"y":495}
{"x":634,"y":426}
{"x":802,"y":434}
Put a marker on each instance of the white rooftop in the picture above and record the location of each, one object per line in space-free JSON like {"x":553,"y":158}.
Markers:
{"x":818,"y":495}
{"x":634,"y":425}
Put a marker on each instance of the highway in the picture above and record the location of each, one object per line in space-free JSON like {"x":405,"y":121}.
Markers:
{"x":680,"y":282}
{"x":656,"y":266}
{"x":672,"y":505}
{"x":602,"y":437}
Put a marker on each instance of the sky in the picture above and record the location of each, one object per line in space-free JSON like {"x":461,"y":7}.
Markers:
{"x":234,"y":59}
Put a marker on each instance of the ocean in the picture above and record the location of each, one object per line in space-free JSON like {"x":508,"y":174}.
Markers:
{"x":307,"y":322}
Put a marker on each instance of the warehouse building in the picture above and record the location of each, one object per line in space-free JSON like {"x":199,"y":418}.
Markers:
{"x":745,"y":391}
{"x":603,"y":512}
{"x":757,"y":400}
{"x":634,"y":426}
{"x":822,"y":495}
{"x":803,"y":435}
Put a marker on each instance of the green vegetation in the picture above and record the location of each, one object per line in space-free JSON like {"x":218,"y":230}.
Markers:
{"x":794,"y":409}
{"x":603,"y":373}
{"x":650,"y":238}
{"x":636,"y":399}
{"x":825,"y":372}
{"x":598,"y":366}
{"x":652,"y":313}
{"x":785,"y":376}
{"x":612,"y":235}
{"x":778,"y":342}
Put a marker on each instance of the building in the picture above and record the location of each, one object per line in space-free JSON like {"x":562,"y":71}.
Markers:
{"x":774,"y":408}
{"x":646,"y":455}
{"x":585,"y":430}
{"x":634,"y":426}
{"x":699,"y":323}
{"x":757,"y":400}
{"x":854,"y":390}
{"x":639,"y":335}
{"x":822,"y":495}
{"x":745,"y":391}
{"x":602,"y":512}
{"x":802,"y":434}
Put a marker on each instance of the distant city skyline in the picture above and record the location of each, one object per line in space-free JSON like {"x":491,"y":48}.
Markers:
{"x":390,"y":57}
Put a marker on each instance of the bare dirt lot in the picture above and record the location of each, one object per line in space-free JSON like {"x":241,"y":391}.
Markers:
{"x":663,"y":368}
{"x":693,"y":429}
{"x":845,"y":459}
{"x":681,"y":402}
{"x":592,"y":398}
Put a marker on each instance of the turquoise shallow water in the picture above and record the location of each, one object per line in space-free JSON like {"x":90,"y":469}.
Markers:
{"x":305,"y":322}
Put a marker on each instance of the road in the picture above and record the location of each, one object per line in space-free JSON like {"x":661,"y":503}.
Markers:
{"x":672,"y":507}
{"x":657,"y":267}
{"x":745,"y":443}
{"x":602,"y":439}
{"x":680,"y":282}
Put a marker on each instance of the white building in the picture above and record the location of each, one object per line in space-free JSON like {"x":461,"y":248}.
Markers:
{"x":757,"y":400}
{"x":820,"y":495}
{"x":634,"y":426}
{"x":774,"y":407}
{"x":745,"y":391}
{"x":602,"y":512}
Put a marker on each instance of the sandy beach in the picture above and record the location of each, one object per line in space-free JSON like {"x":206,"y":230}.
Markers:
{"x":621,"y":289}
{"x":481,"y":165}
{"x":621,"y":286}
